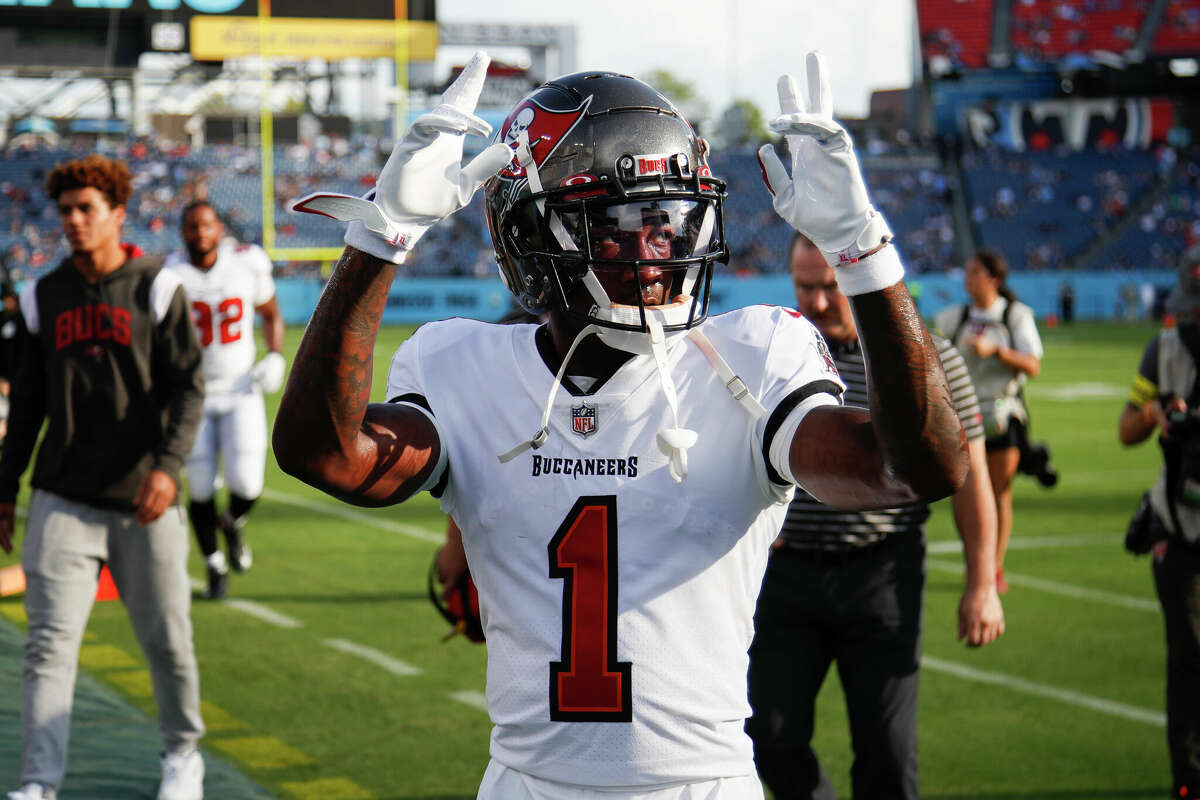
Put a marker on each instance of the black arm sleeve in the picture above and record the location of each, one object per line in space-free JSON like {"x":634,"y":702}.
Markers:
{"x":25,"y":416}
{"x":179,"y":376}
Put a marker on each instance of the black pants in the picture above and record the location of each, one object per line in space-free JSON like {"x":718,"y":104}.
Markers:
{"x":1177,"y":579}
{"x":865,"y":614}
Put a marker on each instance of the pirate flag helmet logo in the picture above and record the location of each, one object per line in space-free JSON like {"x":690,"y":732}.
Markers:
{"x":601,"y":159}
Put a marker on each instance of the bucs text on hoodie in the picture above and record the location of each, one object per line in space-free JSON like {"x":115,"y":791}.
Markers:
{"x":116,"y":366}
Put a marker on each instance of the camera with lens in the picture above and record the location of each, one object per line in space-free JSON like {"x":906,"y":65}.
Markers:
{"x":1145,"y":530}
{"x":1035,"y":461}
{"x":1180,"y":445}
{"x":1184,"y":423}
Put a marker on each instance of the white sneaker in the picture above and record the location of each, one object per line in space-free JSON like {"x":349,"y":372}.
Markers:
{"x":183,"y":777}
{"x":217,"y":562}
{"x":32,"y":791}
{"x":239,"y":552}
{"x":242,"y":558}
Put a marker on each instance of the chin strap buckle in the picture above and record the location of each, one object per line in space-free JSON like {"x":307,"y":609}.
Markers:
{"x":737,"y":388}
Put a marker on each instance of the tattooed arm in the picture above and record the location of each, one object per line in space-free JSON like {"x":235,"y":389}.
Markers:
{"x":911,"y":446}
{"x":327,"y":434}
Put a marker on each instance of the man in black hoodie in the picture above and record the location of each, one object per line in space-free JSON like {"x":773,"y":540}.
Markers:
{"x":112,"y":360}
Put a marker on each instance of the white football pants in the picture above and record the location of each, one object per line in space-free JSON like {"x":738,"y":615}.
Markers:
{"x":233,"y":431}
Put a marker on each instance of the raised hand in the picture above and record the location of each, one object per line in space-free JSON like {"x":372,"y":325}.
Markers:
{"x":824,"y":196}
{"x":423,"y":180}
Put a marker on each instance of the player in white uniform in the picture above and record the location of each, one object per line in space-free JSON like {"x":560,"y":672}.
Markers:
{"x":227,"y":284}
{"x":618,"y":551}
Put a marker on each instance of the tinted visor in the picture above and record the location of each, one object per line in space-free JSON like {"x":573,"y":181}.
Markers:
{"x":649,"y":230}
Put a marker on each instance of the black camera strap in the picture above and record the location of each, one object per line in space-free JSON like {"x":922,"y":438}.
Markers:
{"x":966,"y":315}
{"x":1189,"y":335}
{"x":962,"y":323}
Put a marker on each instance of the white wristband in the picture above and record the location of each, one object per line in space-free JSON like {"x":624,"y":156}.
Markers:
{"x":358,"y":237}
{"x":870,"y":274}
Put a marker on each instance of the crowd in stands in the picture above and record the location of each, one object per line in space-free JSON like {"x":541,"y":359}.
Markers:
{"x":956,"y":31}
{"x":1049,"y":30}
{"x":1160,"y":232}
{"x":1180,"y":29}
{"x":1045,"y":210}
{"x":1041,"y":33}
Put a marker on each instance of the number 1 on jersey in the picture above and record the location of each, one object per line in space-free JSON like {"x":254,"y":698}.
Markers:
{"x":589,"y":684}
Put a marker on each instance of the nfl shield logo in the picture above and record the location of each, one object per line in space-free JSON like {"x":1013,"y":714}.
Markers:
{"x":583,"y":419}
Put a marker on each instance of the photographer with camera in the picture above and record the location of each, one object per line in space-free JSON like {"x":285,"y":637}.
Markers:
{"x":999,"y":341}
{"x":1166,"y":396}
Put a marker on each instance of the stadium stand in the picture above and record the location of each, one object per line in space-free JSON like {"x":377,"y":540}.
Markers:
{"x":1179,"y":33}
{"x":957,"y":30}
{"x":916,"y":197}
{"x":1156,"y":234}
{"x":1050,"y":30}
{"x":1042,"y":209}
{"x":166,"y":178}
{"x":1045,"y":210}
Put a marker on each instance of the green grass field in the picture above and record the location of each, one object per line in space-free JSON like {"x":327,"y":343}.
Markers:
{"x":1067,"y":704}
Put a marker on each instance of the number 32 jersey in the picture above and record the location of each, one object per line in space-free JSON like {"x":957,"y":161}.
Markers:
{"x":223,"y":299}
{"x":618,"y":605}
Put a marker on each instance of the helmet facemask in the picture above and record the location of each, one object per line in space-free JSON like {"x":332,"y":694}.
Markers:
{"x":614,"y":254}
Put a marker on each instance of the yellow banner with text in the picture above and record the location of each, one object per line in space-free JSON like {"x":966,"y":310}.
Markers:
{"x":215,"y":38}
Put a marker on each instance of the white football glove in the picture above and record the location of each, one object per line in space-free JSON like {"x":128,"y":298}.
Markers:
{"x":824,"y":197}
{"x":268,"y":373}
{"x":423,"y":180}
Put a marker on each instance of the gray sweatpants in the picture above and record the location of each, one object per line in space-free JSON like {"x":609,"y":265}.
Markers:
{"x":64,"y":544}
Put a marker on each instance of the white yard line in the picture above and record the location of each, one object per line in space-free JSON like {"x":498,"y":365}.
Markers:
{"x":262,"y":612}
{"x":357,"y":517}
{"x":1037,"y":543}
{"x":472,"y":699}
{"x":1110,"y":707}
{"x":1070,"y":392}
{"x":252,"y":608}
{"x":1065,"y":589}
{"x":392,"y":665}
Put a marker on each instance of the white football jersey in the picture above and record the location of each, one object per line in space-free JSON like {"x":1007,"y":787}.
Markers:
{"x":223,"y":300}
{"x":618,"y":605}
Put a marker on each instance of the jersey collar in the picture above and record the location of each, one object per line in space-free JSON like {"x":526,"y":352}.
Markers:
{"x":552,"y":361}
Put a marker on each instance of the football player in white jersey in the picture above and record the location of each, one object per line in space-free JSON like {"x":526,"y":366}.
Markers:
{"x":227,"y":284}
{"x":619,"y":549}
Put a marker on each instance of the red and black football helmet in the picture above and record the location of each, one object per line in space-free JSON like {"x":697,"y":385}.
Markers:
{"x":601,"y":159}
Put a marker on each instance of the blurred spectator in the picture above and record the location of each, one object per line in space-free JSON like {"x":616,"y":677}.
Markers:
{"x":1066,"y":302}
